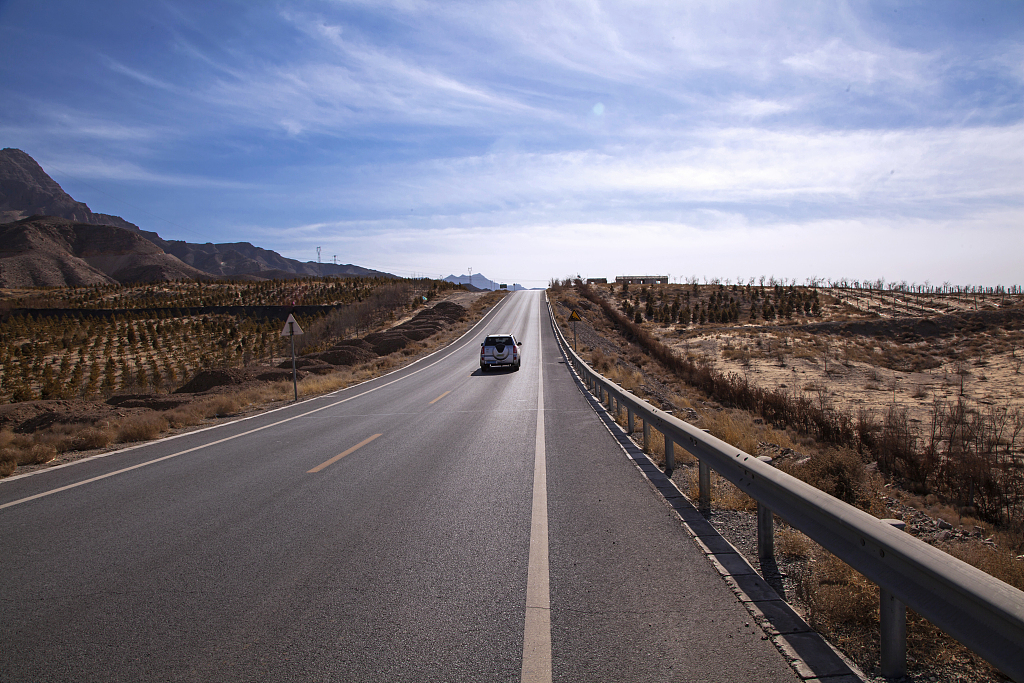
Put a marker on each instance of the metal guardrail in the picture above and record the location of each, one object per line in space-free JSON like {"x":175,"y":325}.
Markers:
{"x":982,"y":612}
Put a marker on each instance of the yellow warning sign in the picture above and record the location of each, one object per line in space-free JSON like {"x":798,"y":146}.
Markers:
{"x":574,"y":316}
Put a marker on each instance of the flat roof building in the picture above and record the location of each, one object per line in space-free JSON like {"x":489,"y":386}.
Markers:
{"x":641,"y":279}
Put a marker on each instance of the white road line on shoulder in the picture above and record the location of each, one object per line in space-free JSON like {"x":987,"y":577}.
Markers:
{"x":537,"y":629}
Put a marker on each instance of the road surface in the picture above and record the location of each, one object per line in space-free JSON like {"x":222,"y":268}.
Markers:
{"x":435,"y":524}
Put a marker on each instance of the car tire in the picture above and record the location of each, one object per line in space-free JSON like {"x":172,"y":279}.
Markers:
{"x":517,"y":367}
{"x":483,"y":368}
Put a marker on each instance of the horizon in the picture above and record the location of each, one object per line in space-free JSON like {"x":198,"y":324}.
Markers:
{"x":527,"y":142}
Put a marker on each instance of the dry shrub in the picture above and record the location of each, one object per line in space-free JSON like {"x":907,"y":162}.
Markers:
{"x":656,"y":447}
{"x":601,"y":361}
{"x":8,"y":461}
{"x":8,"y":439}
{"x":184,"y":416}
{"x":997,"y":562}
{"x":724,"y":495}
{"x":220,"y":406}
{"x":842,"y":604}
{"x":735,"y":429}
{"x":37,"y":454}
{"x":93,"y":437}
{"x":76,"y":437}
{"x":838,"y":472}
{"x":322,"y":384}
{"x":141,"y":428}
{"x":792,"y":544}
{"x":630,"y":380}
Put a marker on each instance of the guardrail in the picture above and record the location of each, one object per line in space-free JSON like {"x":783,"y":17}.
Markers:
{"x":982,"y":612}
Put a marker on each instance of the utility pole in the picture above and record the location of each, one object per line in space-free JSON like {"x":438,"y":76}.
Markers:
{"x":318,"y":273}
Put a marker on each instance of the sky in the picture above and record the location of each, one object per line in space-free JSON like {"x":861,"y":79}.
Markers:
{"x":533,"y":140}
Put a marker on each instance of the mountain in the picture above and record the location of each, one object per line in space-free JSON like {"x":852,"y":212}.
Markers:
{"x":46,"y":251}
{"x":478,"y":281}
{"x":27,"y":191}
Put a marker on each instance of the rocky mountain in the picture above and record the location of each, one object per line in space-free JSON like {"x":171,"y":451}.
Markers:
{"x":56,"y":252}
{"x":27,"y":191}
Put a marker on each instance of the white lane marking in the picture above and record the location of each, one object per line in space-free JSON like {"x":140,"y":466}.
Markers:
{"x":219,"y":441}
{"x":537,"y":629}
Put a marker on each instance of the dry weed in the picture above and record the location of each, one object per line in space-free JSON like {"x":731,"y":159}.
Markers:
{"x":141,"y":428}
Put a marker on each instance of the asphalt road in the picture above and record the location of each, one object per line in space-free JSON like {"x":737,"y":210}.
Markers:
{"x":392,"y":531}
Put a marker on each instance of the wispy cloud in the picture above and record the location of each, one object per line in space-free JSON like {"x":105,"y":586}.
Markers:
{"x":396,"y":130}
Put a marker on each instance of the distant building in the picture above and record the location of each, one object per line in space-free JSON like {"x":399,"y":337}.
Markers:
{"x":641,"y":279}
{"x":597,"y":280}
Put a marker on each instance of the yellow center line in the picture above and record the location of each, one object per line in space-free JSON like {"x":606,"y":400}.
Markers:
{"x":440,"y":397}
{"x":339,"y":456}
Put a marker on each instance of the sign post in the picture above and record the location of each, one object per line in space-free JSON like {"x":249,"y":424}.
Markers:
{"x":574,"y":316}
{"x":291,"y":328}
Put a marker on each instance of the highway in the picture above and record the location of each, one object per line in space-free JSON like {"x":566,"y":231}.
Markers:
{"x":434,"y":524}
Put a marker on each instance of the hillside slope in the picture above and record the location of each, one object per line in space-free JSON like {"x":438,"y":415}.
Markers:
{"x":46,"y":251}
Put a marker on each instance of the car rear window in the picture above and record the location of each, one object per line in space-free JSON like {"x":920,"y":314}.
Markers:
{"x":491,"y":341}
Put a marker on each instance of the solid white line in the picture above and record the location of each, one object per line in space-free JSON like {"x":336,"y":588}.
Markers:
{"x":537,"y":629}
{"x":236,"y":436}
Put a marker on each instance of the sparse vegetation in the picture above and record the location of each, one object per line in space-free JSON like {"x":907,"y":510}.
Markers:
{"x":82,"y":360}
{"x":925,"y":441}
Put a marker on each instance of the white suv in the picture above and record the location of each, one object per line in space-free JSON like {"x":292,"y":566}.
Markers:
{"x":500,"y":349}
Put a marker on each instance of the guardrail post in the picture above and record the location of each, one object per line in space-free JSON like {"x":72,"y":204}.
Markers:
{"x":703,"y":486}
{"x":629,"y":420}
{"x":647,"y":436}
{"x":765,"y":528}
{"x":670,"y":455}
{"x":892,"y":617}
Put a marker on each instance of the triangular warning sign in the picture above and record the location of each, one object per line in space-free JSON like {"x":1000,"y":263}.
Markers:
{"x":291,"y":327}
{"x":575,"y":316}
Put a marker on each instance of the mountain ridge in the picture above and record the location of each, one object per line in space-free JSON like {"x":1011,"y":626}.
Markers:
{"x":28,"y":193}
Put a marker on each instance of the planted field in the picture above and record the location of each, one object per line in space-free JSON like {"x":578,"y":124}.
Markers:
{"x":132,"y":362}
{"x":124,"y":339}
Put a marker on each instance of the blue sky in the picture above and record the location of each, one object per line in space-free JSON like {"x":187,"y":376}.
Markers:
{"x":530,"y":140}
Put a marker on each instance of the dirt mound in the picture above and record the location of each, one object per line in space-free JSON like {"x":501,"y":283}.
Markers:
{"x":347,"y":355}
{"x":449,"y":309}
{"x":387,"y":342}
{"x":359,"y":343}
{"x":210,"y":380}
{"x":309,"y":364}
{"x":30,"y":416}
{"x":417,"y":333}
{"x":150,"y":401}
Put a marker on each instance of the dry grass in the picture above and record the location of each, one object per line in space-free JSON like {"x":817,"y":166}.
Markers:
{"x":843,"y":605}
{"x":141,"y":428}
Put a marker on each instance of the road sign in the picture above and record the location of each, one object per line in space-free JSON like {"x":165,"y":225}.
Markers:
{"x":574,"y":316}
{"x":291,"y":328}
